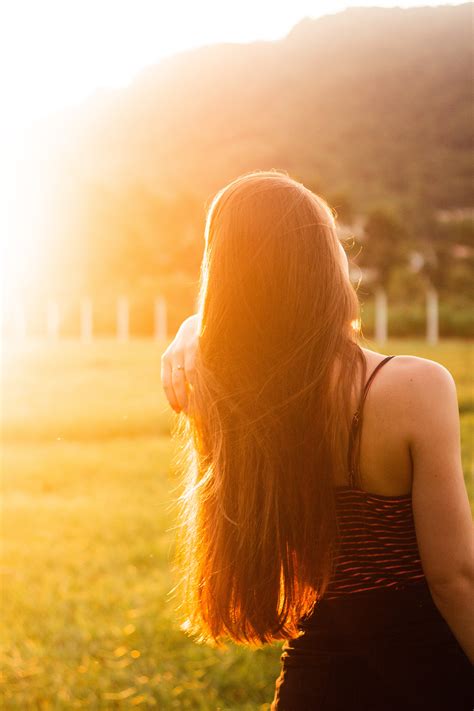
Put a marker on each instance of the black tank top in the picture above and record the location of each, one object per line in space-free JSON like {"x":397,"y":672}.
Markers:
{"x":378,"y":546}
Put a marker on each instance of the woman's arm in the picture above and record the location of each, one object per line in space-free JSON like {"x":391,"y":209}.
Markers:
{"x":456,"y":604}
{"x":441,"y":505}
{"x":181,"y":351}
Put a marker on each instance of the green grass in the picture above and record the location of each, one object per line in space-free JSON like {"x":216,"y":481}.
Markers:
{"x":87,"y":527}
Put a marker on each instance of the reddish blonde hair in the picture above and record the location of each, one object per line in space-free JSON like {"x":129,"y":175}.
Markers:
{"x":269,"y":416}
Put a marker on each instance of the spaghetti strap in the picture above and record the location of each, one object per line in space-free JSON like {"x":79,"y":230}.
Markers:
{"x":357,"y":420}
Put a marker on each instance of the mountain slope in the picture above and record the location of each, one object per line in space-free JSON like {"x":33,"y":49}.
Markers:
{"x":371,"y":100}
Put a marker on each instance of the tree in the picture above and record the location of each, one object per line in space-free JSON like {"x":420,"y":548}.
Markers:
{"x":383,"y":249}
{"x":384,"y":246}
{"x":441,"y":245}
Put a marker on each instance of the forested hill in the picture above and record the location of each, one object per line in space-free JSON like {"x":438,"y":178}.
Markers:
{"x":372,"y":101}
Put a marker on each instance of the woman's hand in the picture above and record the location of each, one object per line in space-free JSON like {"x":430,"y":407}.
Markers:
{"x":177,"y":363}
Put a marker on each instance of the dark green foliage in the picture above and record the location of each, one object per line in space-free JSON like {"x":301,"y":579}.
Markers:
{"x":385,"y":244}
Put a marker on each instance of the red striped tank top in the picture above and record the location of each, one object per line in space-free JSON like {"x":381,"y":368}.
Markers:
{"x":377,"y":546}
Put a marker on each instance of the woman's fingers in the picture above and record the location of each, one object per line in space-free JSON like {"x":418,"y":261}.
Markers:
{"x":181,"y":352}
{"x":189,"y":364}
{"x":178,"y":380}
{"x":167,"y":382}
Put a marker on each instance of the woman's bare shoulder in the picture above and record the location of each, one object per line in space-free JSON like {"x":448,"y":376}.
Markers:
{"x":422,"y":374}
{"x":411,"y":384}
{"x":410,"y":368}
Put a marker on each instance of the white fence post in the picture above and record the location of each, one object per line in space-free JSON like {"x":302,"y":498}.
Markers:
{"x":52,"y":319}
{"x":122,"y":318}
{"x":380,"y":315}
{"x":161,"y":326}
{"x":86,"y":320}
{"x":432,"y":316}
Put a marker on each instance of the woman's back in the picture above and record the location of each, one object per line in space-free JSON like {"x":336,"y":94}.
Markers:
{"x":377,"y":545}
{"x":376,"y":639}
{"x":408,"y":444}
{"x":382,"y":454}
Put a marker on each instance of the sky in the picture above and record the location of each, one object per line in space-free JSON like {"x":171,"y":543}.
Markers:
{"x":55,"y":53}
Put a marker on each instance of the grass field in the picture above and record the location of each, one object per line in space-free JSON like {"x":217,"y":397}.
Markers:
{"x":87,"y":528}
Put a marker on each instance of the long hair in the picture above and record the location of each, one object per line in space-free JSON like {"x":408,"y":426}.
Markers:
{"x":267,"y":426}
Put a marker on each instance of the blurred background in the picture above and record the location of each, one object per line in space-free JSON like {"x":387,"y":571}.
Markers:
{"x":120,"y":121}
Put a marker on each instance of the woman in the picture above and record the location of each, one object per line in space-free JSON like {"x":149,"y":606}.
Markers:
{"x":356,"y":550}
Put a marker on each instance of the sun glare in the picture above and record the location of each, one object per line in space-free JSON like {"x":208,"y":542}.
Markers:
{"x":21,"y":220}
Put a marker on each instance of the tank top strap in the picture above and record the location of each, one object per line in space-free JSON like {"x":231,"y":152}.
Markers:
{"x":357,"y":420}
